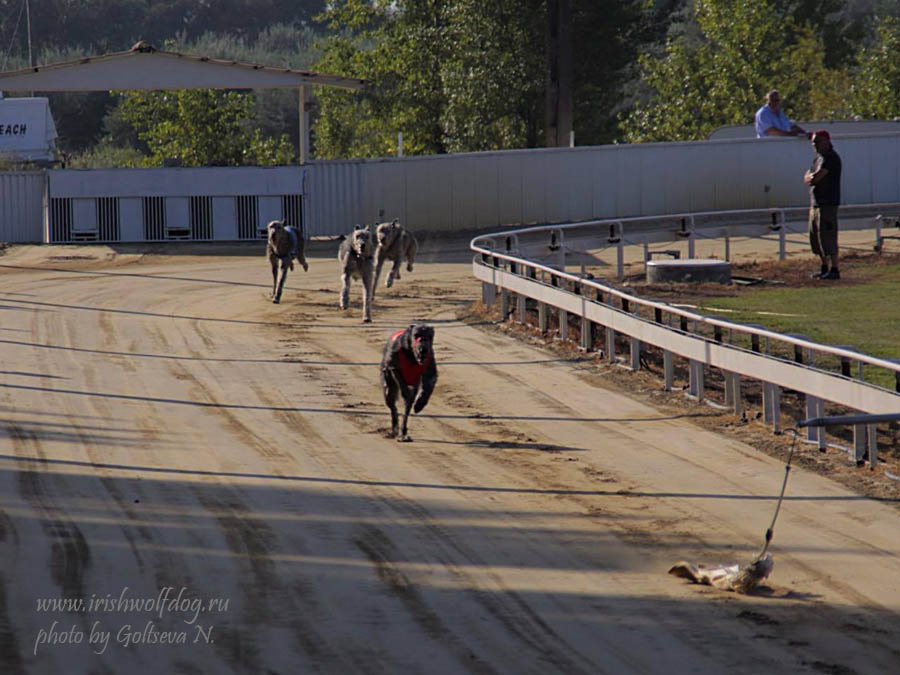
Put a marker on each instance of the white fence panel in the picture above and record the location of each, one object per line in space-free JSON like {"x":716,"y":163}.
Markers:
{"x":487,"y":192}
{"x":510,"y":191}
{"x":167,"y":195}
{"x":338,"y":191}
{"x":616,"y":181}
{"x":390,"y":195}
{"x":709,"y":165}
{"x":84,"y":216}
{"x":607,"y":196}
{"x":175,"y":182}
{"x":131,"y":219}
{"x":22,"y":206}
{"x":884,"y":169}
{"x":224,"y":211}
{"x":465,"y":191}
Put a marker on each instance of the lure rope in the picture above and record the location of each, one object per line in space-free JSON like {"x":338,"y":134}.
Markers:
{"x":787,"y":470}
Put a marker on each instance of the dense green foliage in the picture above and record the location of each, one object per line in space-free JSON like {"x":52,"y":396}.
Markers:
{"x":99,"y":26}
{"x":875,"y":93}
{"x":719,"y":73}
{"x":463,"y":75}
{"x":744,"y":49}
{"x":200,"y":127}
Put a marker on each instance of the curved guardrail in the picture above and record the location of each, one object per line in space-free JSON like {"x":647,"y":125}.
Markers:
{"x":532,"y":262}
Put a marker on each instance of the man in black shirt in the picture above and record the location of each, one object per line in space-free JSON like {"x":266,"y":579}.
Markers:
{"x":824,"y":180}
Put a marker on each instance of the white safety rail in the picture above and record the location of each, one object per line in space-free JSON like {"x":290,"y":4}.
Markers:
{"x":531,"y":263}
{"x":583,"y":243}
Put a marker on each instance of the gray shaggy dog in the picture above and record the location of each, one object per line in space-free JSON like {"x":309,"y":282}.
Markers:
{"x":395,"y":243}
{"x":284,"y":244}
{"x":355,"y":256}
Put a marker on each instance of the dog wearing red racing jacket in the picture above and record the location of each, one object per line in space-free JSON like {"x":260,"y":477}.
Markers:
{"x":408,"y":369}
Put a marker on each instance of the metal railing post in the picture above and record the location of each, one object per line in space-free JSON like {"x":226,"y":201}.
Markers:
{"x":871,"y":434}
{"x":668,"y":369}
{"x":587,"y":334}
{"x":620,"y":260}
{"x":488,"y":293}
{"x":695,"y":379}
{"x":772,"y":406}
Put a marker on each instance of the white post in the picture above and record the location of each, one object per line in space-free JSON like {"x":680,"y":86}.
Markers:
{"x":572,"y":138}
{"x":668,"y":369}
{"x":304,"y":126}
{"x":399,"y":144}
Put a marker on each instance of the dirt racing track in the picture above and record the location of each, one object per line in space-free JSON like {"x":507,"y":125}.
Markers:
{"x":207,"y":473}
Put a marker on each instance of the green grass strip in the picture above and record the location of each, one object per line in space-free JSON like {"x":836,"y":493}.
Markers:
{"x":864,"y":315}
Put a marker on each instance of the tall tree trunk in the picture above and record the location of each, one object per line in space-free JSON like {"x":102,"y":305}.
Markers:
{"x":559,"y":72}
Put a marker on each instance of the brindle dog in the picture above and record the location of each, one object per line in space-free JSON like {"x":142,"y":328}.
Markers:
{"x":395,"y":243}
{"x":408,"y":369}
{"x":355,"y":257}
{"x":284,"y":244}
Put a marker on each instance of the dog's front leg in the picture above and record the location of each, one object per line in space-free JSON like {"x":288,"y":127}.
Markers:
{"x":379,"y":263}
{"x":273,"y":261}
{"x":390,"y":388}
{"x":429,"y":379}
{"x":366,"y":273}
{"x":281,"y":280}
{"x":395,"y":272}
{"x":301,"y":258}
{"x":411,"y":255}
{"x":409,"y":395}
{"x":345,"y":290}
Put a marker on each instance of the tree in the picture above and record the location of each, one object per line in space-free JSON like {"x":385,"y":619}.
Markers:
{"x":744,"y":49}
{"x":608,"y":35}
{"x":875,"y":93}
{"x":114,"y":25}
{"x":466,"y":75}
{"x":494,"y":80}
{"x":201,"y":127}
{"x":398,"y":47}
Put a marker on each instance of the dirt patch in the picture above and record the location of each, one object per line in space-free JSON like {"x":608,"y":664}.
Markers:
{"x":750,"y":277}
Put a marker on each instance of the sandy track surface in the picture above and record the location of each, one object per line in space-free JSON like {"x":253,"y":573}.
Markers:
{"x":167,"y":431}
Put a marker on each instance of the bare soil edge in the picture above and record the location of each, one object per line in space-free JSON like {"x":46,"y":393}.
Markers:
{"x":881,"y":483}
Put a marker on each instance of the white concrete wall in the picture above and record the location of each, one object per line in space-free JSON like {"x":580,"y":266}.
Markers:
{"x":175,"y":182}
{"x":483,"y":190}
{"x":177,"y":185}
{"x":842,"y":127}
{"x":480,"y":190}
{"x":21,"y":206}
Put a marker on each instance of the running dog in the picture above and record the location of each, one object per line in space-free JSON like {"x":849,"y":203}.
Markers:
{"x":408,"y":369}
{"x":284,"y":244}
{"x":355,"y":257}
{"x":395,"y":242}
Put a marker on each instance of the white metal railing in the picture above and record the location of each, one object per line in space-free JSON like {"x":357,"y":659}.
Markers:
{"x":705,"y":341}
{"x":768,"y":223}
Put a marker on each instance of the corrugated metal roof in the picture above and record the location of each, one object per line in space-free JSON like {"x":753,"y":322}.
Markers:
{"x":146,"y":67}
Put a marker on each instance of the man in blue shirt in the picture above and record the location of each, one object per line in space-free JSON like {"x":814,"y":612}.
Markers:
{"x":771,"y":120}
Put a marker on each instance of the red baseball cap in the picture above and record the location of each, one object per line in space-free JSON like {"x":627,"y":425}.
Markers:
{"x":824,"y":134}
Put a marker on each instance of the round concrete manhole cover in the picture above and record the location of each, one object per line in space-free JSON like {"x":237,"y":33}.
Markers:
{"x":689,"y":269}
